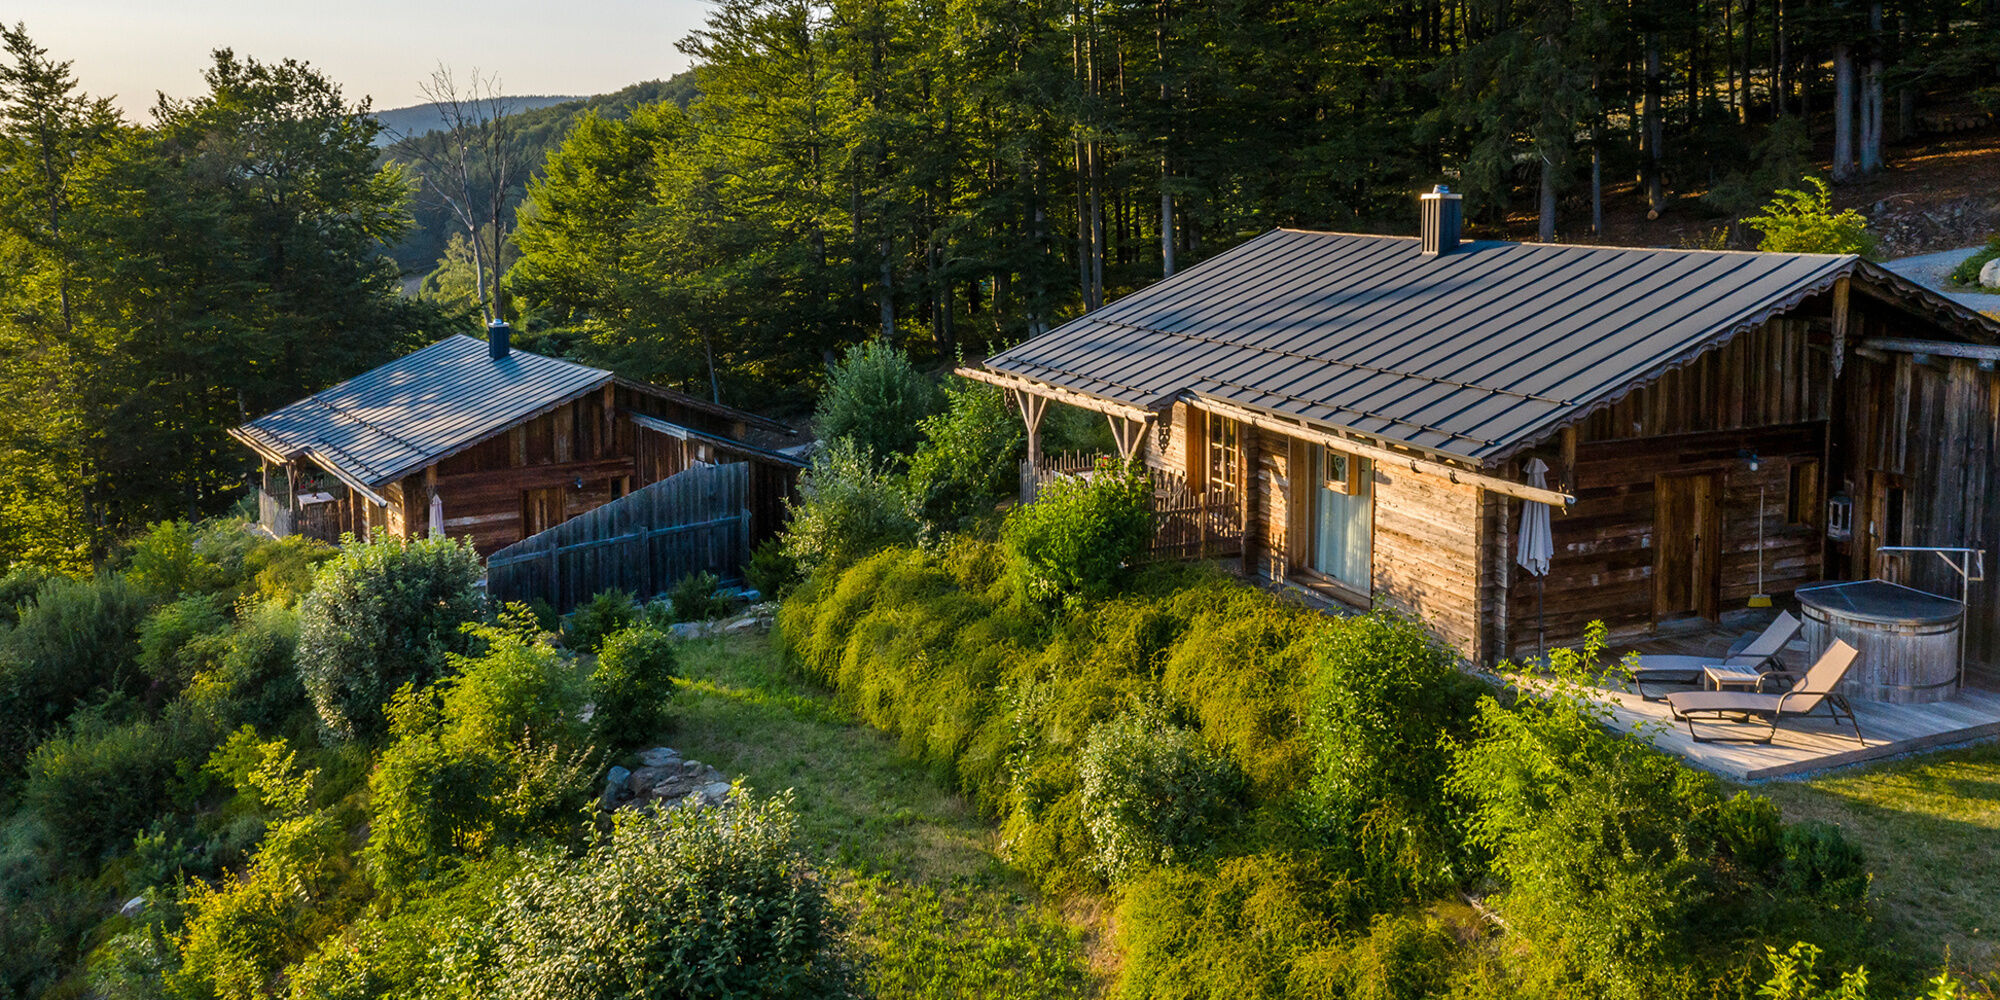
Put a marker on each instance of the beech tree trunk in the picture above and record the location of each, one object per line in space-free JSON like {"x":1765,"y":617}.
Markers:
{"x":1843,"y":113}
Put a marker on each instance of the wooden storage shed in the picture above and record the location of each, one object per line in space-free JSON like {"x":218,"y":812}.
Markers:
{"x":503,"y":443}
{"x":1372,"y":402}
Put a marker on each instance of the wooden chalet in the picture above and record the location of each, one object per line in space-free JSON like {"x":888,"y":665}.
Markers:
{"x":503,"y":443}
{"x":1370,"y":404}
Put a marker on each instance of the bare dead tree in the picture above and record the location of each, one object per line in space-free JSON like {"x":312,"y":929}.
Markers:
{"x":469,"y":166}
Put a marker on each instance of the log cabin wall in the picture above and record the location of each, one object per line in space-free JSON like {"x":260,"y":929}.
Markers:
{"x":1429,"y":538}
{"x":1766,"y":392}
{"x":1928,"y":430}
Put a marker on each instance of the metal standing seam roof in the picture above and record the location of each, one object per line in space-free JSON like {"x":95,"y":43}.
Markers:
{"x":384,"y":424}
{"x":1472,"y":354}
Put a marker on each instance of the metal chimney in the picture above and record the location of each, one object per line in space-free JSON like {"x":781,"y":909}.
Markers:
{"x":1443,"y":214}
{"x":499,"y":339}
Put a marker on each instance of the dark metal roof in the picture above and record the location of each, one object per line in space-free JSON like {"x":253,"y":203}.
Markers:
{"x":1472,"y":354}
{"x":387,"y":423}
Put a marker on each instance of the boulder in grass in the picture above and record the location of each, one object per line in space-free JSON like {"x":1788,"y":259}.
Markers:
{"x":1989,"y":276}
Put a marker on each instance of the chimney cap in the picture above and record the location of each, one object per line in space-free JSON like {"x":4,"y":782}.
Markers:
{"x":1439,"y":191}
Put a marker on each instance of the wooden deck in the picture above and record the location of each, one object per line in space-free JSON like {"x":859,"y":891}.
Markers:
{"x":1801,"y":745}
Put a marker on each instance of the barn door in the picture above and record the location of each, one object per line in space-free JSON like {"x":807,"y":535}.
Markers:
{"x":1687,"y":546}
{"x":541,"y":509}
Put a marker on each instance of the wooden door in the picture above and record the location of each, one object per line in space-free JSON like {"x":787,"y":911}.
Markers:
{"x":1883,"y":522}
{"x":542,"y":509}
{"x":1687,"y":546}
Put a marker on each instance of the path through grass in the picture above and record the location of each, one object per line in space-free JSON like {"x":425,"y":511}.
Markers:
{"x":1931,"y":827}
{"x":933,"y":911}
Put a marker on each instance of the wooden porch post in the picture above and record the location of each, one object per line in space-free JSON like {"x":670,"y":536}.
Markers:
{"x":1569,"y":436}
{"x":1032,"y":407}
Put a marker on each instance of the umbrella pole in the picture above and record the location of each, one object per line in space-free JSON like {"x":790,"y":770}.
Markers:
{"x":1541,"y":583}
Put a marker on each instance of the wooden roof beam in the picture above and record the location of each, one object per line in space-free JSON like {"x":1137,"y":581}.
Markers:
{"x":1085,"y":401}
{"x":1383,"y":455}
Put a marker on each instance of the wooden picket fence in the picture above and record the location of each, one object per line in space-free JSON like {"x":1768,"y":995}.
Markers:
{"x":1187,"y":523}
{"x":691,"y":522}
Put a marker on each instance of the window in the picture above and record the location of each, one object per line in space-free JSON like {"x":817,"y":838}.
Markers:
{"x":1802,"y":500}
{"x":1225,"y":453}
{"x":1343,"y":518}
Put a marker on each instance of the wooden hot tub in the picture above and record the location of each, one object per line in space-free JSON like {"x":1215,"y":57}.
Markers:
{"x":1909,"y":639}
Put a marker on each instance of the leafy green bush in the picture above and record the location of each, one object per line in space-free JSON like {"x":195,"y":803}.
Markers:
{"x":255,"y":681}
{"x":969,"y":459}
{"x":1386,"y":697}
{"x":698,"y":598}
{"x":847,"y":508}
{"x":771,"y":573}
{"x":77,"y":640}
{"x":168,"y":561}
{"x":1078,"y":536}
{"x":17,"y":589}
{"x":711,"y":903}
{"x":241,"y":933}
{"x":1152,"y":793}
{"x":632,"y":686}
{"x":606,"y":612}
{"x":99,"y":783}
{"x":283,"y":570}
{"x":1821,"y":864}
{"x":177,"y":640}
{"x":876,"y":399}
{"x":1403,"y":956}
{"x":496,"y":755}
{"x":382,"y":614}
{"x":1799,"y":221}
{"x":1258,"y":926}
{"x":1967,"y":271}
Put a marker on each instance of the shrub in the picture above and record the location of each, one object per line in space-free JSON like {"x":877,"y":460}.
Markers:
{"x":1386,"y":697}
{"x":76,"y":640}
{"x":1152,"y":793}
{"x":497,"y":754}
{"x":876,"y":399}
{"x":1403,"y":957}
{"x":969,"y":459}
{"x":698,"y":598}
{"x":382,"y":614}
{"x":771,"y":573}
{"x":632,"y":686}
{"x":847,"y":508}
{"x":99,"y":784}
{"x":242,"y":933}
{"x":1967,"y":271}
{"x":1799,"y":221}
{"x":1260,"y":926}
{"x":257,"y":683}
{"x":607,"y":612}
{"x":17,"y":589}
{"x":1077,"y":537}
{"x":283,"y":570}
{"x":711,"y":903}
{"x":167,"y":561}
{"x":1821,"y":864}
{"x":171,"y":646}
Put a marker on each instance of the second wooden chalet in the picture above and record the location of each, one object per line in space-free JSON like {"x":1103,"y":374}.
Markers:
{"x":498,"y":444}
{"x":1372,"y":404}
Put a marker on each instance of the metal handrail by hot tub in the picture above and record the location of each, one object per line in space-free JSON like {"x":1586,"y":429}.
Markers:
{"x":1970,"y":566}
{"x":1912,"y":641}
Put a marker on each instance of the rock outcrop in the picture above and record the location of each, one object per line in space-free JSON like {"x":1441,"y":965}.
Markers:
{"x":663,"y":780}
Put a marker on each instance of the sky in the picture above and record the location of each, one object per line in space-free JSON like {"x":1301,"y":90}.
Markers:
{"x":385,"y":49}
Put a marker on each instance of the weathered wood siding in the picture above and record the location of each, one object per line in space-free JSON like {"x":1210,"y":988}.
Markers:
{"x":1428,"y":543}
{"x":1766,"y":393}
{"x":1936,"y":425}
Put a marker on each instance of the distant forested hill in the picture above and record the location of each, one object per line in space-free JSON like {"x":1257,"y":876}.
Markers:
{"x":537,"y":127}
{"x":418,"y":119}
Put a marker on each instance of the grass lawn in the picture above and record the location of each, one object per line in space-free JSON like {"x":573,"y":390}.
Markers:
{"x":1931,"y":827}
{"x":932,"y":910}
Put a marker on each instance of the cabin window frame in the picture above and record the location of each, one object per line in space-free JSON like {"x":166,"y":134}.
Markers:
{"x":1805,"y":495}
{"x":1307,"y":481}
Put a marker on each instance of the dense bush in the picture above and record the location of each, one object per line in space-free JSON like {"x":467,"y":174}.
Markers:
{"x":969,"y":459}
{"x":1080,"y":534}
{"x":495,"y":756}
{"x":1385,"y":699}
{"x":689,"y":903}
{"x":380,"y":615}
{"x":17,"y":589}
{"x":76,"y":641}
{"x":606,"y":612}
{"x":632,"y":686}
{"x":1259,"y":926}
{"x":876,"y":399}
{"x":771,"y":572}
{"x":178,"y":640}
{"x":1801,"y":221}
{"x":283,"y":570}
{"x":1152,"y":793}
{"x":848,"y":507}
{"x":242,"y":933}
{"x":99,"y":783}
{"x":256,"y":682}
{"x":698,"y":597}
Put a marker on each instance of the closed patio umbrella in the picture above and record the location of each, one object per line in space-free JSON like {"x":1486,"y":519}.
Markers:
{"x":437,"y":515}
{"x":1537,"y":544}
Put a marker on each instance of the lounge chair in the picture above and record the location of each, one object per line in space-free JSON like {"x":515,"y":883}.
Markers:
{"x":1759,"y":654}
{"x":1816,"y":688}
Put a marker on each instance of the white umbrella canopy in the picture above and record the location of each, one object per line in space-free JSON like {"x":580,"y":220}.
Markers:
{"x":437,"y":515}
{"x":1537,"y":544}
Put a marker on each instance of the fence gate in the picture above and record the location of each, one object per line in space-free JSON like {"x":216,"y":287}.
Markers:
{"x":691,"y":522}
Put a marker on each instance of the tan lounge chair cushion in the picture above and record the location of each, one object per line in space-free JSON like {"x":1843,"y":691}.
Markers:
{"x":1726,"y":701}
